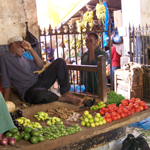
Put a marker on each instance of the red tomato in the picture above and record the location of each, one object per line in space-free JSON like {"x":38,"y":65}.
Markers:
{"x":133,"y":99}
{"x":128,"y":107}
{"x":132,"y":111}
{"x":103,"y":109}
{"x":142,"y":103}
{"x":101,"y":112}
{"x":119,"y":111}
{"x":114,"y":118}
{"x":116,"y":108}
{"x":113,"y":114}
{"x":109,"y":106}
{"x":118,"y":116}
{"x":113,"y":105}
{"x":106,"y":110}
{"x":107,"y":115}
{"x":130,"y":104}
{"x":129,"y":113}
{"x":145,"y":107}
{"x":110,"y":110}
{"x":138,"y":109}
{"x":124,"y":103}
{"x":141,"y":107}
{"x":123,"y":115}
{"x":138,"y":100}
{"x":127,"y":100}
{"x":120,"y":106}
{"x":125,"y":110}
{"x":136,"y":105}
{"x":108,"y":120}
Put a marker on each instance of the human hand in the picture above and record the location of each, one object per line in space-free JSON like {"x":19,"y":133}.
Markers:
{"x":90,"y":43}
{"x":26,"y":45}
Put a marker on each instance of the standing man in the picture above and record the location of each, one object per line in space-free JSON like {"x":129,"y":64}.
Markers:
{"x":50,"y":52}
{"x":115,"y":61}
{"x":18,"y":70}
{"x":90,"y":58}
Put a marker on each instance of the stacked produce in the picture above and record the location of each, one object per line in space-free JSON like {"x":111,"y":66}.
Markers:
{"x":90,"y":121}
{"x":98,"y":106}
{"x":126,"y":108}
{"x":50,"y":120}
{"x":87,"y":18}
{"x":28,"y":134}
{"x":114,"y":98}
{"x":100,"y":11}
{"x":56,"y":131}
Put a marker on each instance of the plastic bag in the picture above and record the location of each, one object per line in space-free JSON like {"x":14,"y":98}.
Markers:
{"x":116,"y":39}
{"x":132,"y":143}
{"x":145,"y":124}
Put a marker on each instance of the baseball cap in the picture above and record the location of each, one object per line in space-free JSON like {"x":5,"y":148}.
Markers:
{"x":14,"y":39}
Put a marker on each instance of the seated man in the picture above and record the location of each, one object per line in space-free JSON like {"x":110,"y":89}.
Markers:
{"x":90,"y":58}
{"x":18,"y":70}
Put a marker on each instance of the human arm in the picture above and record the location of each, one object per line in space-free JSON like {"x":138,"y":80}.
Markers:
{"x":6,"y":93}
{"x":37,"y":59}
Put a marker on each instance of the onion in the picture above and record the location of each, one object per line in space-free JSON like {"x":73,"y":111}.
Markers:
{"x":12,"y":141}
{"x":4,"y":141}
{"x":1,"y":136}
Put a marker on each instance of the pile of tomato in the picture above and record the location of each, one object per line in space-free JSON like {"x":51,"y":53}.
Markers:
{"x":126,"y":108}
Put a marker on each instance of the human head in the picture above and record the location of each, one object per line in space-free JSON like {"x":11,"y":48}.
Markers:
{"x":92,"y":38}
{"x":15,"y":46}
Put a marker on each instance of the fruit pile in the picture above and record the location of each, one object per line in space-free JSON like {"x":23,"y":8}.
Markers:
{"x":126,"y":108}
{"x":98,"y":106}
{"x":58,"y":130}
{"x":50,"y":120}
{"x":100,"y":11}
{"x":24,"y":121}
{"x":32,"y":135}
{"x":28,"y":134}
{"x":90,"y":121}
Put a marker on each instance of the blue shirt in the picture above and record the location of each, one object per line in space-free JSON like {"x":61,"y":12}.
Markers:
{"x":49,"y":54}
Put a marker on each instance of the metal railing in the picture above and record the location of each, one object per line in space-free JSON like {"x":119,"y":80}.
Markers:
{"x":139,"y":38}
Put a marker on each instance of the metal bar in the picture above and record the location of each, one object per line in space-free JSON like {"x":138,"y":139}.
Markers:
{"x":111,"y":87}
{"x":146,"y":46}
{"x":133,"y":43}
{"x":143,"y":46}
{"x":140,"y":43}
{"x":130,"y":49}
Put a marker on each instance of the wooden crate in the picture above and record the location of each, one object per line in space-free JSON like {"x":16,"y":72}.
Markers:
{"x":128,"y":86}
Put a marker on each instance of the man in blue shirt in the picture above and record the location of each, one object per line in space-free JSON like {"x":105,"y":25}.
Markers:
{"x":50,"y":53}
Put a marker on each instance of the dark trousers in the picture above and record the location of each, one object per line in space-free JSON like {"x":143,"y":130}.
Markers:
{"x":39,"y":93}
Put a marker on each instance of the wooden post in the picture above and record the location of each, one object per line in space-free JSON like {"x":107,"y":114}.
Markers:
{"x":101,"y":73}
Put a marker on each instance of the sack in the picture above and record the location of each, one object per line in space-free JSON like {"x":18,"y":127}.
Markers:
{"x":116,"y":39}
{"x":132,"y":143}
{"x":31,"y":38}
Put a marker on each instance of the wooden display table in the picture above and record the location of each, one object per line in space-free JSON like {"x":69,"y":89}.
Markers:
{"x":86,"y":139}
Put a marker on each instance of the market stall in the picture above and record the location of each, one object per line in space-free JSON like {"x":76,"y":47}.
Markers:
{"x":85,"y":139}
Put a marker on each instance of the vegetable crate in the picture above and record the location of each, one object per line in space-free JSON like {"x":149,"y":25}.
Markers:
{"x":127,"y":84}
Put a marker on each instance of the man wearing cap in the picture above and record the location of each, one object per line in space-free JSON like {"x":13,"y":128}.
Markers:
{"x":18,"y":70}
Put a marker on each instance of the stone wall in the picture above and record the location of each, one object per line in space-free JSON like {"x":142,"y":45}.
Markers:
{"x":13,"y":15}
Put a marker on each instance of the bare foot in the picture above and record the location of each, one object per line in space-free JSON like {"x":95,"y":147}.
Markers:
{"x":74,"y":101}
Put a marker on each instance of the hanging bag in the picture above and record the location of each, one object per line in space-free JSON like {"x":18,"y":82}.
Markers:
{"x":116,"y":39}
{"x":132,"y":143}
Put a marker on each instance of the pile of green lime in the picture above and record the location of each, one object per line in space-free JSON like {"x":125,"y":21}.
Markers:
{"x":98,"y":106}
{"x":88,"y":120}
{"x":32,"y":135}
{"x":56,"y":131}
{"x":13,"y":133}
